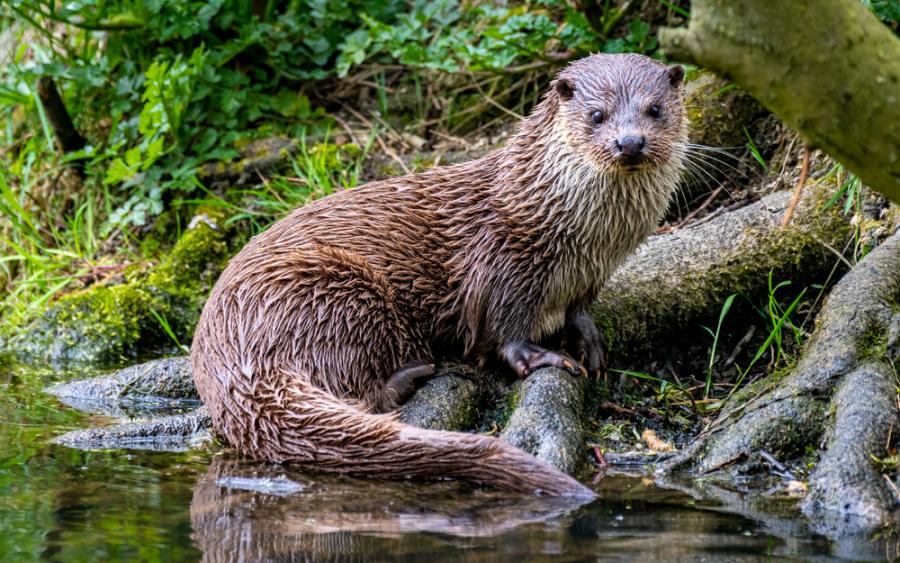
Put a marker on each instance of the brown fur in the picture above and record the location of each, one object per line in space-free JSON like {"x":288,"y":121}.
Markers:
{"x":302,"y":333}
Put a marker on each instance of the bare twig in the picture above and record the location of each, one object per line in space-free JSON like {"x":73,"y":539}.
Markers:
{"x":834,"y":251}
{"x":740,"y":346}
{"x":393,"y":155}
{"x":347,"y":129}
{"x":388,"y":151}
{"x":491,"y":101}
{"x":893,"y":487}
{"x":780,"y":469}
{"x":804,"y":172}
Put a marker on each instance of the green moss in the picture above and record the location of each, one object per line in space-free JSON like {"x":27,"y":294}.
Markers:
{"x":607,"y":328}
{"x":873,"y":344}
{"x":95,"y":324}
{"x":760,"y":386}
{"x":497,"y":416}
{"x":717,"y":110}
{"x":468,"y":418}
{"x":190,"y":257}
{"x":509,"y":405}
{"x":106,"y":323}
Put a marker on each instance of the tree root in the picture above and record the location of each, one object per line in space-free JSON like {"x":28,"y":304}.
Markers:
{"x":841,"y":394}
{"x":847,"y":492}
{"x":546,"y":421}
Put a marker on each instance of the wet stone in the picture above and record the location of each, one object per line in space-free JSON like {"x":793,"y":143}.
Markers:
{"x":157,"y":387}
{"x":181,"y":432}
{"x":166,"y":378}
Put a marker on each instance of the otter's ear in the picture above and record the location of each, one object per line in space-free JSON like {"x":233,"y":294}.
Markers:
{"x":565,"y":88}
{"x":676,"y":75}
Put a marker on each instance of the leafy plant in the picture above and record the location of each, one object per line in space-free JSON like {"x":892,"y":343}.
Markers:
{"x":638,"y":40}
{"x":887,"y":11}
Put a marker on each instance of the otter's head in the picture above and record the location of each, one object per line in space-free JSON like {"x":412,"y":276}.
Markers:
{"x":625,"y":113}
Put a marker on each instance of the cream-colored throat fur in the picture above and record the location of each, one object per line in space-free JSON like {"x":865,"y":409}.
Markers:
{"x":607,"y":215}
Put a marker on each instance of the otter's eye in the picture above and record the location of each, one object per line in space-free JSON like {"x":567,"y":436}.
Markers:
{"x":597,"y":116}
{"x":654,"y":112}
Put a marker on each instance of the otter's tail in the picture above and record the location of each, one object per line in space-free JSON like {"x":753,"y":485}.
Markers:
{"x":300,"y":423}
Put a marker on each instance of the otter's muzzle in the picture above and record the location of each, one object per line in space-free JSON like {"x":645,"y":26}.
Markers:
{"x":630,"y":148}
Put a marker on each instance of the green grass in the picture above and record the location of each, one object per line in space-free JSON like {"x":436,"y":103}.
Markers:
{"x":666,"y":391}
{"x":850,"y":189}
{"x":779,"y":320}
{"x":167,"y":328}
{"x":715,"y":335}
{"x":40,"y":257}
{"x":46,"y":251}
{"x":315,"y":172}
{"x":753,"y":150}
{"x":677,"y":9}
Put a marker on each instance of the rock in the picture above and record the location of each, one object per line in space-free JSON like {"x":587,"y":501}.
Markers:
{"x":167,"y":377}
{"x":546,"y":421}
{"x":174,"y":433}
{"x":156,"y":387}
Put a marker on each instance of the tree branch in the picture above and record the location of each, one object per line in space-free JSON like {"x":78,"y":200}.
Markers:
{"x":831,"y":71}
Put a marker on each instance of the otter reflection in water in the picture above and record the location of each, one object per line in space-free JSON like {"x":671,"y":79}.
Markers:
{"x":348,"y":518}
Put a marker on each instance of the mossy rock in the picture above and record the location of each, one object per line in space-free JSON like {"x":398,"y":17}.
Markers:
{"x":107,"y":323}
{"x":718,"y":110}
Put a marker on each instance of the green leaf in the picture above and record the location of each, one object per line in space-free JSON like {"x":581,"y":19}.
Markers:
{"x":133,"y":157}
{"x":117,"y":172}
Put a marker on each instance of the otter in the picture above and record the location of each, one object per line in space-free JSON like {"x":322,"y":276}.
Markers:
{"x":324,"y":324}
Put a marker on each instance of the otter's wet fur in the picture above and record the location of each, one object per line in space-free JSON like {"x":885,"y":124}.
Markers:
{"x":329,"y":317}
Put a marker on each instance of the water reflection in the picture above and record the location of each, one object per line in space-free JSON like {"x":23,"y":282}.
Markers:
{"x":334,"y":517}
{"x":343,"y":516}
{"x":70,"y":505}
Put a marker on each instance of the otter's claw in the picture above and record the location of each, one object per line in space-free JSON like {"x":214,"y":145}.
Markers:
{"x":526,"y":357}
{"x":584,"y":341}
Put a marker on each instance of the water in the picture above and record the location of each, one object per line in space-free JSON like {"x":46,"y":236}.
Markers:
{"x":61,"y":504}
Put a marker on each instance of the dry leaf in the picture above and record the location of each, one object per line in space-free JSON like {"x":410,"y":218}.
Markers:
{"x":654,"y":443}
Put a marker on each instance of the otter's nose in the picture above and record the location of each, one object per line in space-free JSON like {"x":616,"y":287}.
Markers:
{"x":630,"y":146}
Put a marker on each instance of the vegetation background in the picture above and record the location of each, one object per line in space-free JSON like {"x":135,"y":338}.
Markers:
{"x":233,"y":112}
{"x":158,"y":88}
{"x":174,"y":104}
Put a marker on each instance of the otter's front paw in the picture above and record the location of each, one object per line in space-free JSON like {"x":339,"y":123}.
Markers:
{"x":584,"y":341}
{"x":526,"y":357}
